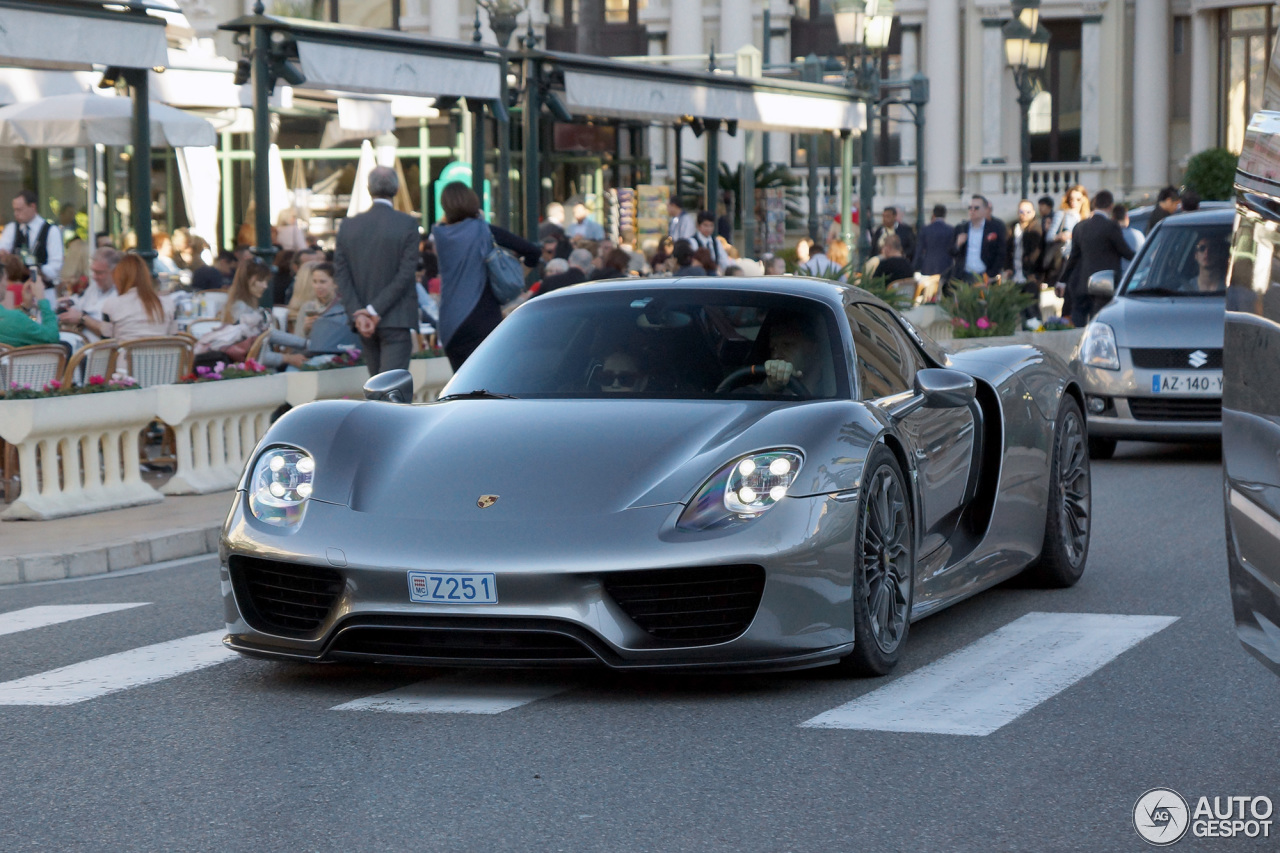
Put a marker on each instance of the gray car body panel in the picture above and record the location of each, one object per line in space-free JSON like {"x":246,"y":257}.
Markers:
{"x":592,"y":487}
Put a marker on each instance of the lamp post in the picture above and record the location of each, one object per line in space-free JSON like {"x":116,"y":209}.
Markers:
{"x":1026,"y":48}
{"x":862,"y":28}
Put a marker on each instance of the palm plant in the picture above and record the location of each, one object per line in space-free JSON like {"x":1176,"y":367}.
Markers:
{"x":767,"y":176}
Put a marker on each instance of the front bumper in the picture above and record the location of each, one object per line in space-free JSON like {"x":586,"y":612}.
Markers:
{"x":1133,"y":413}
{"x":554,"y":608}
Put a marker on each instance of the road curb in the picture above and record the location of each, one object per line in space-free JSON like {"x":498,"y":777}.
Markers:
{"x":109,"y":557}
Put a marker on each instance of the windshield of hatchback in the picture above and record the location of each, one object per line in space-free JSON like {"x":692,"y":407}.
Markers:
{"x":660,"y":344}
{"x":1183,"y":261}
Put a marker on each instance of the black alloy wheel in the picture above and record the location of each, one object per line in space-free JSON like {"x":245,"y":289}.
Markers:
{"x":884,"y":568}
{"x":1067,"y":523}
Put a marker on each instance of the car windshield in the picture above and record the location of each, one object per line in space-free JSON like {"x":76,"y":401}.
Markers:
{"x":1183,"y":260}
{"x":660,"y":343}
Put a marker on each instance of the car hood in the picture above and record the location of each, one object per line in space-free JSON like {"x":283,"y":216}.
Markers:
{"x":542,"y":459}
{"x":1164,"y":322}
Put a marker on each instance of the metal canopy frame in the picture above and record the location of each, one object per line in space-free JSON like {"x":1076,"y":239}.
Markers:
{"x":273,"y":43}
{"x":134,"y":12}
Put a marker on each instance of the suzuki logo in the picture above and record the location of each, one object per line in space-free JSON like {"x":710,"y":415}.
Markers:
{"x":1199,"y":358}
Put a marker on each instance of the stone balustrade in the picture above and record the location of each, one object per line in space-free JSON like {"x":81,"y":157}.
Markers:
{"x":80,"y":454}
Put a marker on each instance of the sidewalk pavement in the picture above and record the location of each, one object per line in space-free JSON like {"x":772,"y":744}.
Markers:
{"x":104,"y":542}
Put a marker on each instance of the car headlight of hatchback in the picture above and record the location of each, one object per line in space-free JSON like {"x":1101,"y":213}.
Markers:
{"x":1098,"y":349}
{"x":744,"y":489}
{"x":281,"y":485}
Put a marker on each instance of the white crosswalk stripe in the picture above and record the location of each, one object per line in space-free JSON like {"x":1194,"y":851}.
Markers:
{"x":991,"y":682}
{"x":464,"y":694}
{"x":54,"y":614}
{"x":92,"y":679}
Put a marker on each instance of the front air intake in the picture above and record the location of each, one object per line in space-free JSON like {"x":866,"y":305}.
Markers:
{"x":694,"y":606}
{"x":290,"y":599}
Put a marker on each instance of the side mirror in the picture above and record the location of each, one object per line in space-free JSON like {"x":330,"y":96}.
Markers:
{"x":1103,"y":284}
{"x":942,"y":388}
{"x":391,"y":386}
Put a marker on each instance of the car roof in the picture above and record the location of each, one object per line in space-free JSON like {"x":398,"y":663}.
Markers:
{"x":833,"y":292}
{"x":1205,"y":207}
{"x":1220,"y":215}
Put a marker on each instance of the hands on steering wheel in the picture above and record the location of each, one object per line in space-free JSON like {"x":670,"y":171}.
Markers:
{"x":778,"y":376}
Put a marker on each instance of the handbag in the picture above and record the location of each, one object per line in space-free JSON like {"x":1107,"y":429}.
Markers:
{"x":504,"y":273}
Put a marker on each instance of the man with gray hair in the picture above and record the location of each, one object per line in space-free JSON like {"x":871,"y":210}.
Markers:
{"x":83,"y":313}
{"x":375,"y":262}
{"x":579,"y":268}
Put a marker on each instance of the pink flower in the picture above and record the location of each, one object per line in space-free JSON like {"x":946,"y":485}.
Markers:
{"x":97,"y":380}
{"x":984,"y":323}
{"x":961,"y":322}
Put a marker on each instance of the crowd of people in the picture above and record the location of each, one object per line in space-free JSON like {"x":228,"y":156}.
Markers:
{"x":383,"y":280}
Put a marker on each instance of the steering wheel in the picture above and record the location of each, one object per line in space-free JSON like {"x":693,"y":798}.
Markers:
{"x":753,"y":373}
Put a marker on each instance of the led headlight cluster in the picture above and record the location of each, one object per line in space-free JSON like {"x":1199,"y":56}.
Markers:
{"x":743,"y":489}
{"x":281,"y":485}
{"x":760,"y":481}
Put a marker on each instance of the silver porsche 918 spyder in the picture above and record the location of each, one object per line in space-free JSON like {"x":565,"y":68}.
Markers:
{"x":698,"y":473}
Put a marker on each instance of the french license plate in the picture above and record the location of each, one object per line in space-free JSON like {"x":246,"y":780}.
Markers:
{"x":453,"y":588}
{"x":1201,"y":382}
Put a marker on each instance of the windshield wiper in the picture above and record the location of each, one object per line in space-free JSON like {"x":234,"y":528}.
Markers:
{"x":1156,"y":291}
{"x":478,"y":394}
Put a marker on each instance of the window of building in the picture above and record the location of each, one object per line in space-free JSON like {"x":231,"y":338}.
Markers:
{"x":1247,"y":34}
{"x":1055,"y":131}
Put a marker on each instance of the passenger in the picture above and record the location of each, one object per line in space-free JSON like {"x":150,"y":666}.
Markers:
{"x":621,"y":374}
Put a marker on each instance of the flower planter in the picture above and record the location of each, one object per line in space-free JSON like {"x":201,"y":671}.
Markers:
{"x":78,"y":454}
{"x":429,"y":376}
{"x":332,"y":384}
{"x":217,"y":425}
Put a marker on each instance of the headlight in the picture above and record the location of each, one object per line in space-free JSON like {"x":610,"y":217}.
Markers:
{"x":281,"y":485}
{"x":743,"y":489}
{"x":1098,"y":349}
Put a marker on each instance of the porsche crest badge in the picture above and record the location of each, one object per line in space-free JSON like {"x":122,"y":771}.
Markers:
{"x":487,"y":501}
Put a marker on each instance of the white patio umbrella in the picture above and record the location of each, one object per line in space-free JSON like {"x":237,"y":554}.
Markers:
{"x":360,"y":198}
{"x":81,"y":120}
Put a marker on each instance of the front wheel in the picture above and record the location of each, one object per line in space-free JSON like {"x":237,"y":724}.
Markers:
{"x":1068,"y":521}
{"x":884,"y":568}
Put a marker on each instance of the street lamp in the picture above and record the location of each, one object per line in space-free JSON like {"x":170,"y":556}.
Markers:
{"x":1026,"y":49}
{"x":863,"y":28}
{"x":502,"y":18}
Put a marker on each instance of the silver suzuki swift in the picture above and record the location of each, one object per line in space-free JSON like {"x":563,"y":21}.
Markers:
{"x":1151,"y":361}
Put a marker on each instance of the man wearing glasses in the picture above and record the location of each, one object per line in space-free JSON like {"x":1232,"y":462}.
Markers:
{"x":979,"y":245}
{"x":1097,"y":244}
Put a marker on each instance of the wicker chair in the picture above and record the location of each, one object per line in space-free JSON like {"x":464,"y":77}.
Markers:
{"x":259,"y":343}
{"x":160,"y":360}
{"x":75,"y":340}
{"x":36,"y":365}
{"x":96,"y":359}
{"x":203,"y":326}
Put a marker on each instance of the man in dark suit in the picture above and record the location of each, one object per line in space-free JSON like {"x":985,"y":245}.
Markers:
{"x":933,"y":252}
{"x":1097,"y":244}
{"x":889,"y":224}
{"x":978,"y":250}
{"x":375,"y":264}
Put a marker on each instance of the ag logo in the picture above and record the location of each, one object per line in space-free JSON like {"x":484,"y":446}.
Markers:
{"x":487,"y":501}
{"x":1161,"y":816}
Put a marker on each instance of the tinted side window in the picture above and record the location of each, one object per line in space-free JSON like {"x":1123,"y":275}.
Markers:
{"x":884,"y":362}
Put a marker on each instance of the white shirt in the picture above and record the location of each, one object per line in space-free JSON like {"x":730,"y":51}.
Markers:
{"x":973,"y":249}
{"x":711,"y":244}
{"x":1018,"y":275}
{"x":52,"y":269}
{"x":90,"y":303}
{"x":683,"y":227}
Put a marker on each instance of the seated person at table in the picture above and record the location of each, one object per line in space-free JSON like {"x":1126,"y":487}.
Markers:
{"x":893,"y":266}
{"x":136,"y":310}
{"x":17,"y":328}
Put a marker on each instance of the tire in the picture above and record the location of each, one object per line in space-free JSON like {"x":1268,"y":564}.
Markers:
{"x":884,"y":568}
{"x":1102,"y":448}
{"x":1068,"y":522}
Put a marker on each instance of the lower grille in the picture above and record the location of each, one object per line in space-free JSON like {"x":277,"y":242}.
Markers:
{"x":697,"y":606}
{"x":1175,"y":409}
{"x":461,"y":644}
{"x":1155,"y":359}
{"x":284,"y":598}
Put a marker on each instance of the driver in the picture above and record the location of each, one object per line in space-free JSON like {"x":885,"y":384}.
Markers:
{"x":1212,"y":257}
{"x":796,"y":350}
{"x":621,"y":374}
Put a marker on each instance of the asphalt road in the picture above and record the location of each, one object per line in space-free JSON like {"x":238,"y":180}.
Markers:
{"x":249,"y":755}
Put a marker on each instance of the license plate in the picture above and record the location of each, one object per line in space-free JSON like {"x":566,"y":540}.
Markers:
{"x":453,"y":588}
{"x":1203,"y":382}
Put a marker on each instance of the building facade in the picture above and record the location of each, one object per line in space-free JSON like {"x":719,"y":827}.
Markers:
{"x":1132,"y":89}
